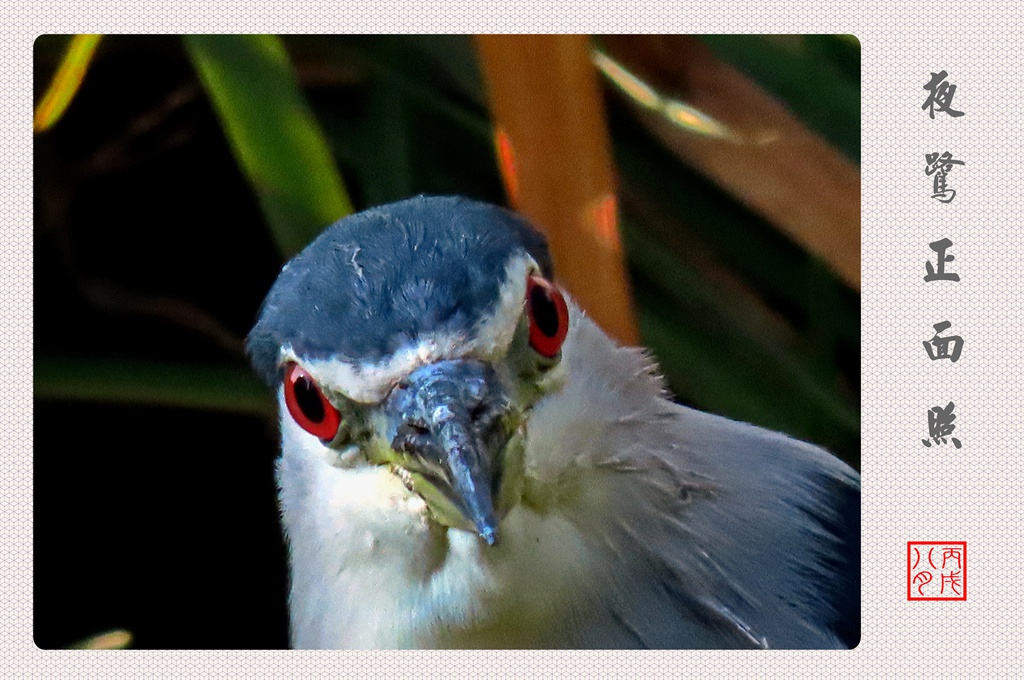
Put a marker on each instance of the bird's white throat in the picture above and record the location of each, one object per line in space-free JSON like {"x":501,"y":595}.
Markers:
{"x":370,"y":568}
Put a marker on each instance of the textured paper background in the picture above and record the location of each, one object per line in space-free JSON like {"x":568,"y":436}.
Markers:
{"x":910,"y":492}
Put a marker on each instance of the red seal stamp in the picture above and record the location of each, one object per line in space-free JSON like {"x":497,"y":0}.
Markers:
{"x":936,"y":570}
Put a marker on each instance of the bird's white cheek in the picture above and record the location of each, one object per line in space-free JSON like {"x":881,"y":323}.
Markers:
{"x":329,"y":480}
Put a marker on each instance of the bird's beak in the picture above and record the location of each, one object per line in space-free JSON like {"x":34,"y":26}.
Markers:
{"x":449,"y":425}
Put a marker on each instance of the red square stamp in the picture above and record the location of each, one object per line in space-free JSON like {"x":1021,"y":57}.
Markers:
{"x":936,"y":570}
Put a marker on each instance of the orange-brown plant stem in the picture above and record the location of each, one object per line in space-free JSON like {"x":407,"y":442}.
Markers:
{"x":552,"y":144}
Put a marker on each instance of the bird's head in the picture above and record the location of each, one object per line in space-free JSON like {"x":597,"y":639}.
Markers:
{"x":417,"y":337}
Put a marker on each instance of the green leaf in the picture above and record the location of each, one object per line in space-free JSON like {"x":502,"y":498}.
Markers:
{"x":66,"y":81}
{"x":138,"y":382}
{"x":275,"y":138}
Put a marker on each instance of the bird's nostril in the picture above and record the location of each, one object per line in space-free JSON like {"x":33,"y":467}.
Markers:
{"x":410,"y":437}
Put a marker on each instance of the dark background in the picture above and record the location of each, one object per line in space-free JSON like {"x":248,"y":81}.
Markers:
{"x":154,"y":499}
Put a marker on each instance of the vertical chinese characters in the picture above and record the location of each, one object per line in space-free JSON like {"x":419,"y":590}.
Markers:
{"x":940,"y":425}
{"x":944,"y":347}
{"x":940,"y":96}
{"x":937,"y":570}
{"x":938,"y":167}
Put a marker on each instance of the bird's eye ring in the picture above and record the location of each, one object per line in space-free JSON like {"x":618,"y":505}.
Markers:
{"x":549,"y":316}
{"x":307,"y":404}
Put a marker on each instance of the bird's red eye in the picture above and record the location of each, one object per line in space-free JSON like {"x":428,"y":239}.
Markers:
{"x":308,"y":405}
{"x":549,"y":316}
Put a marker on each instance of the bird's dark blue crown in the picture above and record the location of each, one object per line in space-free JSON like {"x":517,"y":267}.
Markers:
{"x":373,"y":282}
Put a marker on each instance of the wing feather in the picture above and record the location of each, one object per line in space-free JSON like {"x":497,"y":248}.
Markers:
{"x":709,"y":533}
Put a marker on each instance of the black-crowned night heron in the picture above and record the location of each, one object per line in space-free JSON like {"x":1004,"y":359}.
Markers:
{"x":468,"y":461}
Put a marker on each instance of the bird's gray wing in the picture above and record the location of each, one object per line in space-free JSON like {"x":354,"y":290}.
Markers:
{"x":731,"y":536}
{"x":712,"y":533}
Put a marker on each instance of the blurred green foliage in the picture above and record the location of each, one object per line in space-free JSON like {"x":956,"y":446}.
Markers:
{"x":275,"y":138}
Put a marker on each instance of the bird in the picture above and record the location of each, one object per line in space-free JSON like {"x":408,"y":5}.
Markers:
{"x":469,"y":461}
